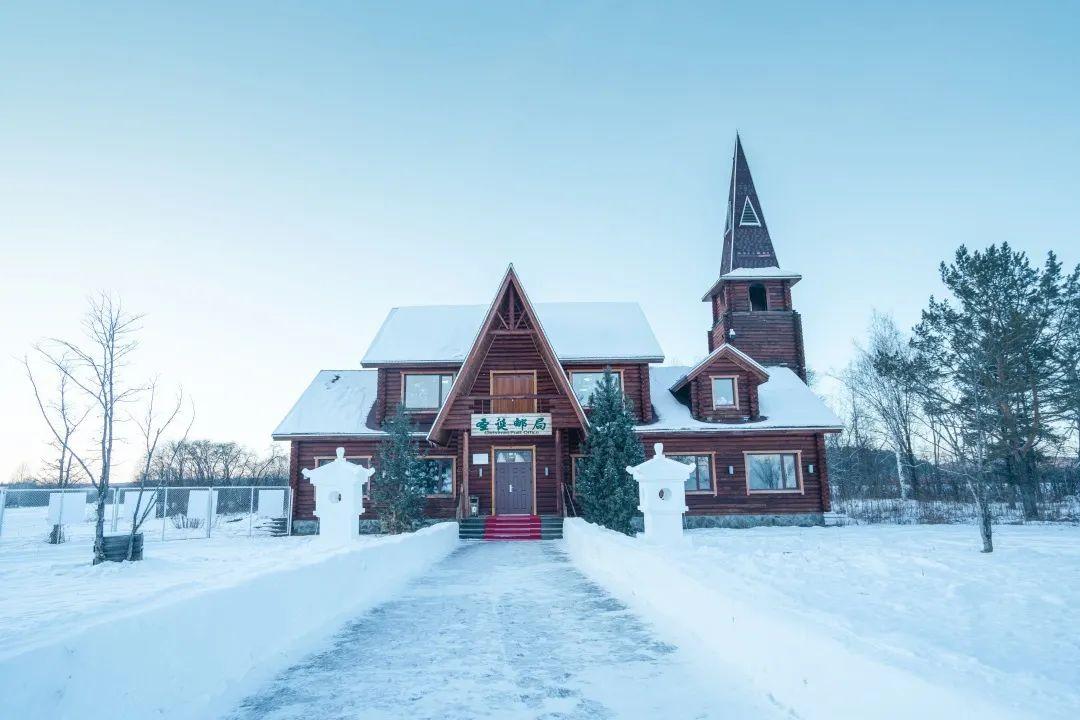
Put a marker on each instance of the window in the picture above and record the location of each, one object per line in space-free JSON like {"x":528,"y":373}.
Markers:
{"x":426,"y":391}
{"x":575,"y":468}
{"x":700,"y":479}
{"x":441,"y":474}
{"x":749,"y":214}
{"x":584,"y":383}
{"x":364,"y":460}
{"x":759,"y":300}
{"x":768,"y":472}
{"x":724,"y":391}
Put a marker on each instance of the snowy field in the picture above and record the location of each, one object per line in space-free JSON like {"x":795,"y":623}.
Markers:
{"x":52,"y":590}
{"x":1004,"y":625}
{"x":883,"y":621}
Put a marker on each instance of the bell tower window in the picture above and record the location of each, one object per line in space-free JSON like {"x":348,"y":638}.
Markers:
{"x":758,"y":298}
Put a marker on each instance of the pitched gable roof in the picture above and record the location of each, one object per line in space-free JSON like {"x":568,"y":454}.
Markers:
{"x":578,"y":331}
{"x":510,"y":321}
{"x":726,"y":350}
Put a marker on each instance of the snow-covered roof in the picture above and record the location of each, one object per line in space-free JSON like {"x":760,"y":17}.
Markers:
{"x":784,"y":401}
{"x":726,"y":348}
{"x":771,"y":272}
{"x":761,"y":273}
{"x":337,"y":402}
{"x":578,"y":331}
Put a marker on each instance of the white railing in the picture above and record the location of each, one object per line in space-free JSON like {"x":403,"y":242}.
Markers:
{"x":167,"y":513}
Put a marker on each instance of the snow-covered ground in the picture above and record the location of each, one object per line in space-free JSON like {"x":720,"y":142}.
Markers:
{"x":1006,"y":626}
{"x":51,"y":590}
{"x":508,"y":631}
{"x":884,"y":621}
{"x":189,"y":627}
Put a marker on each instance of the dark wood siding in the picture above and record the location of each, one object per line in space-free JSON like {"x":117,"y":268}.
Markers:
{"x":701,"y":392}
{"x":730,"y":494}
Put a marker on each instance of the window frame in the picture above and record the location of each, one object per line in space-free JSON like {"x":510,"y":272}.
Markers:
{"x":370,"y":466}
{"x":405,"y":374}
{"x":734,"y":391}
{"x":742,"y":214}
{"x":493,"y":397}
{"x":453,"y":475}
{"x":592,"y":371}
{"x":712,"y":469}
{"x":800,"y":488}
{"x":573,"y":468}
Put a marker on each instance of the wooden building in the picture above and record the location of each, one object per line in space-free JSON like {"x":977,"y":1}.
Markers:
{"x":499,"y":394}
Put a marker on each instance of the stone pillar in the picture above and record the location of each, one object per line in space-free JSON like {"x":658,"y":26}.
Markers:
{"x":339,"y":497}
{"x":662,"y":494}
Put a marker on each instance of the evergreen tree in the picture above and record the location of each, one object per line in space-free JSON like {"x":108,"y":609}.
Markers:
{"x":607,"y":493}
{"x":1003,"y":341}
{"x":402,"y":478}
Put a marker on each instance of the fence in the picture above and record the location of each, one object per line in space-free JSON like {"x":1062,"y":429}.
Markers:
{"x":167,"y":513}
{"x":936,"y":512}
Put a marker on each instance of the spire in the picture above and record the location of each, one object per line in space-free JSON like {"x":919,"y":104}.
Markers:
{"x":747,"y":243}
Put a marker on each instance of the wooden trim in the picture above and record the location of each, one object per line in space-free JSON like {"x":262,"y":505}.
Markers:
{"x":800,"y":490}
{"x":573,"y":469}
{"x":735,"y":394}
{"x":453,"y":475}
{"x":619,"y":371}
{"x":491,"y":384}
{"x":466,"y":461}
{"x":712,"y":469}
{"x":531,"y":448}
{"x":405,"y":373}
{"x":469,"y":368}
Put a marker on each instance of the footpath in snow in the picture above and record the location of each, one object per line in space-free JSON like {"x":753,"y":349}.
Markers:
{"x":501,"y":630}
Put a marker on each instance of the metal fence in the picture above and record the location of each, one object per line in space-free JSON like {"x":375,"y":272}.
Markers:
{"x":168,"y":513}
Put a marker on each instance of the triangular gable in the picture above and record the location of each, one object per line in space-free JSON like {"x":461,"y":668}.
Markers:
{"x":503,"y":315}
{"x":732,"y":353}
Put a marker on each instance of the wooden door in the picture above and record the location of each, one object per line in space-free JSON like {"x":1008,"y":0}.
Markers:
{"x":505,"y":383}
{"x":513,"y":482}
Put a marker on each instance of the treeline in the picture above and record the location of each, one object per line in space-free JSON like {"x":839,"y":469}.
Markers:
{"x":980,"y":401}
{"x":207,"y":462}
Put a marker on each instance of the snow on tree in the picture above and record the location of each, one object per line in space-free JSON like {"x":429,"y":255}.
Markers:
{"x":402,"y":479}
{"x":606,"y":492}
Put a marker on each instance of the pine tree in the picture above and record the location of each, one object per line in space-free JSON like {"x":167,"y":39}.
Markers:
{"x":402,"y":478}
{"x":607,"y":493}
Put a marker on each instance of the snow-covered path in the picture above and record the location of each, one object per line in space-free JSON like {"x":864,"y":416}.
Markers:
{"x":500,"y":630}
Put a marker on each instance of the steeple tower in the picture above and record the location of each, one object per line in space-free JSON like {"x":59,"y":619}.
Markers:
{"x":751,"y":300}
{"x":747,"y":243}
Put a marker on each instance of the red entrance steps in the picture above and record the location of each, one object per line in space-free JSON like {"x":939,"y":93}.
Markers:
{"x":511,"y":527}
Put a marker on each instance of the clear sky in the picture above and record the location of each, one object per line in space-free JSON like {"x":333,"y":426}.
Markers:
{"x":264,"y":181}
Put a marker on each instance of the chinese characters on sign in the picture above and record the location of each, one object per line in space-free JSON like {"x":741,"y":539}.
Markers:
{"x":511,"y":424}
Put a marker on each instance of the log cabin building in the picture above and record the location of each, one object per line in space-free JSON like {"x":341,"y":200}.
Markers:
{"x":499,"y":395}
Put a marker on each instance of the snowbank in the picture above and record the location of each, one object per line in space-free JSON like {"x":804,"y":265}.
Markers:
{"x":791,"y":659}
{"x":193,"y":657}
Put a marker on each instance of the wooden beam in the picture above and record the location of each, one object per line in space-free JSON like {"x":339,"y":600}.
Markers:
{"x":464,"y":507}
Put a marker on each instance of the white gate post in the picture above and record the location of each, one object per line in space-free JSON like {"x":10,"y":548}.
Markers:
{"x":209,"y":509}
{"x":164,"y":513}
{"x":3,"y":504}
{"x":662,"y":493}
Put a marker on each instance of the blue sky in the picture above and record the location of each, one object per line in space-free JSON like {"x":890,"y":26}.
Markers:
{"x":265,"y":181}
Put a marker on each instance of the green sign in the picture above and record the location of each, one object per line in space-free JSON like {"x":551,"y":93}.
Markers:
{"x":511,"y":424}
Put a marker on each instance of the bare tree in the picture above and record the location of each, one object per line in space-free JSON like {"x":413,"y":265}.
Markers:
{"x":880,"y":377}
{"x":63,"y":419}
{"x":96,"y":368}
{"x":152,"y":426}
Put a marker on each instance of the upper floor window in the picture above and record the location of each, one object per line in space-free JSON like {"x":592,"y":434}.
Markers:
{"x":759,"y":299}
{"x":585,"y":383}
{"x":426,"y":391}
{"x":724,"y":391}
{"x":771,"y":472}
{"x":700,"y":479}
